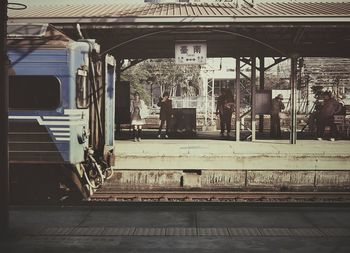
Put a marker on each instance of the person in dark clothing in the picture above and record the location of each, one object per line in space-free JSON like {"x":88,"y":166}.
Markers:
{"x":329,"y":108}
{"x":224,"y":109}
{"x":275,"y":124}
{"x":166,"y":111}
{"x":314,"y":116}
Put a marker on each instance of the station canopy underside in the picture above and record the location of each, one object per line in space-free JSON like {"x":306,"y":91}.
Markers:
{"x":151,"y":30}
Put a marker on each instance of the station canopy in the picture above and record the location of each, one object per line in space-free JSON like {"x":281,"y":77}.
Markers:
{"x":144,"y":31}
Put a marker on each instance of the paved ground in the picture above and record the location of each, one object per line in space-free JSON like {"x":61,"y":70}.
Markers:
{"x":228,"y":154}
{"x":182,"y":227}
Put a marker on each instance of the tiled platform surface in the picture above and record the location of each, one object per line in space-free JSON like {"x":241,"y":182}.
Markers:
{"x":191,"y":227}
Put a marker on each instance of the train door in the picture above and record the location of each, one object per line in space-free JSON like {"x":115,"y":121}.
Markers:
{"x":110,"y":67}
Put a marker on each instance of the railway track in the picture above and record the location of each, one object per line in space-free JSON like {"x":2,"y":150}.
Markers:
{"x":219,"y":196}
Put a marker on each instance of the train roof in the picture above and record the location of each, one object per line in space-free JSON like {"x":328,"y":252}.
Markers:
{"x":36,"y":35}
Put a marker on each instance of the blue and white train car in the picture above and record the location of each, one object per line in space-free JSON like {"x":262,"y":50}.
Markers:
{"x":61,"y":118}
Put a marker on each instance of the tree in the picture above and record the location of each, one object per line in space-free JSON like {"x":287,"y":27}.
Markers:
{"x":164,"y":74}
{"x":176,"y":79}
{"x":137,"y":76}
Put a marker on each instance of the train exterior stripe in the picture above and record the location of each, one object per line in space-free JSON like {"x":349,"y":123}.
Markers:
{"x":61,"y":117}
{"x":52,"y":136}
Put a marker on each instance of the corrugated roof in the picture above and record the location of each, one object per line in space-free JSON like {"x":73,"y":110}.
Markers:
{"x":291,"y":9}
{"x":149,"y":30}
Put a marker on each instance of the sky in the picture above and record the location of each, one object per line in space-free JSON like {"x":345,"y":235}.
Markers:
{"x":75,"y":2}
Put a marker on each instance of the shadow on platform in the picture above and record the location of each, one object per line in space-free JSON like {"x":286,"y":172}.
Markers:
{"x":209,"y":135}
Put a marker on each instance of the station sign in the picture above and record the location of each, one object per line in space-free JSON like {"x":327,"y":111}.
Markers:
{"x":191,"y":52}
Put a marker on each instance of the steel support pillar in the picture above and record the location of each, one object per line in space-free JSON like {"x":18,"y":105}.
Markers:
{"x":307,"y":97}
{"x":293,"y":87}
{"x":261,"y":87}
{"x":118,"y":70}
{"x":4,"y":158}
{"x":238,"y":98}
{"x":212,"y":101}
{"x":205,"y":82}
{"x":253,"y":90}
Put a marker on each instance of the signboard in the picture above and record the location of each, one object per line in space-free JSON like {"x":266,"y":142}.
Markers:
{"x":190,"y":52}
{"x":263,"y":100}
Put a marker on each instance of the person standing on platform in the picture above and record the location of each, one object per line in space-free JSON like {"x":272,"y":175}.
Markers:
{"x":166,"y":111}
{"x":275,"y":124}
{"x":329,"y":108}
{"x":224,"y":109}
{"x":137,"y":110}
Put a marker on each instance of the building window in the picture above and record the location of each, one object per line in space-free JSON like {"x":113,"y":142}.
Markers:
{"x":34,"y":92}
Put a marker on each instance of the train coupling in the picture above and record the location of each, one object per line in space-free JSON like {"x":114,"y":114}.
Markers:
{"x":95,"y":171}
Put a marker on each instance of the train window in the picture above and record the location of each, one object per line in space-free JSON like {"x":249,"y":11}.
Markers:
{"x":34,"y":92}
{"x":82,"y":96}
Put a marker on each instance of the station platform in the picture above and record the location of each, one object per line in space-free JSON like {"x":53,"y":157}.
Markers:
{"x":224,"y":164}
{"x":183,"y":227}
{"x":228,"y":154}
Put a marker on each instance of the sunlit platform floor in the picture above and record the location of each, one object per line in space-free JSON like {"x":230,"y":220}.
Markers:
{"x":211,"y":151}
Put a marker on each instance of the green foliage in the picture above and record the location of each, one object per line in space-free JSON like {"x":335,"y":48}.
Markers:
{"x":137,"y":76}
{"x":165,"y":74}
{"x":272,"y":81}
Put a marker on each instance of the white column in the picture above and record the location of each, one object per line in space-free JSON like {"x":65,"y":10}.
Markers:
{"x":293,"y":87}
{"x":238,"y":98}
{"x":253,"y":91}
